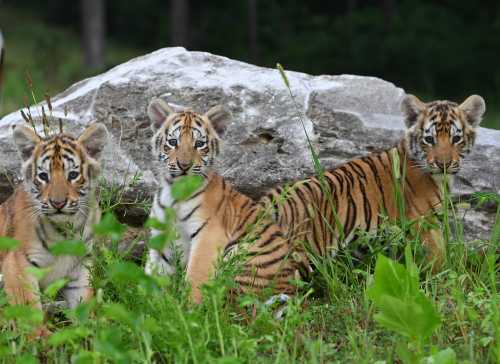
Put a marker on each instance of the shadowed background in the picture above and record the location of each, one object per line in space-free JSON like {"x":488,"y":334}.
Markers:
{"x":435,"y":49}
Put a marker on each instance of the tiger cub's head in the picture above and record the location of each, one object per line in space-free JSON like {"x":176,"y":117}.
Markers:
{"x":187,"y":142}
{"x":58,"y":170}
{"x":440,"y":133}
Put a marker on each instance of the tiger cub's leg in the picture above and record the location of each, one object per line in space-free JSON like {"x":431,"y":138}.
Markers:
{"x":435,"y":248}
{"x":21,"y":287}
{"x":202,"y":259}
{"x":78,"y":289}
{"x":162,"y":262}
{"x":433,"y":242}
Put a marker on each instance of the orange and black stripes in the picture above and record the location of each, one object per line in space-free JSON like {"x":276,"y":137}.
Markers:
{"x":326,"y":211}
{"x":216,"y":219}
{"x":360,"y":191}
{"x":56,"y":193}
{"x":267,"y":256}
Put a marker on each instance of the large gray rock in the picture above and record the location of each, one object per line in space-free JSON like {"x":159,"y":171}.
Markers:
{"x":344,"y":117}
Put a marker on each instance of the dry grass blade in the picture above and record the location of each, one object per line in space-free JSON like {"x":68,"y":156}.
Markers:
{"x":49,"y":104}
{"x":45,"y":122}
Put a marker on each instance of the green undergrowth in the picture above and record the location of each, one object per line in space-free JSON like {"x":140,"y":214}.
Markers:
{"x":358,"y":308}
{"x":375,"y":301}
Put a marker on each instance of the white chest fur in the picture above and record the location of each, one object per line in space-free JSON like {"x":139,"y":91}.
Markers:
{"x":187,"y":223}
{"x":64,"y":266}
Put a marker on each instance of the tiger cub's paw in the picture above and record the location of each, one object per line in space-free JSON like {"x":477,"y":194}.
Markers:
{"x":278,"y":302}
{"x":157,"y":264}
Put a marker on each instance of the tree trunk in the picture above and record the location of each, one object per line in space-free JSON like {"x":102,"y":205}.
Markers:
{"x":2,"y":59}
{"x":351,"y":6}
{"x":252,"y":31}
{"x":388,"y":7}
{"x":93,"y":25}
{"x":179,"y":23}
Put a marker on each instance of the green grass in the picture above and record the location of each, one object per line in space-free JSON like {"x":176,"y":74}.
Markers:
{"x":135,"y":318}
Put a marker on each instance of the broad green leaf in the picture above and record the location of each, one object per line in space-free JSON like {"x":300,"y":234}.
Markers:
{"x":109,"y":226}
{"x":154,"y":223}
{"x":109,"y":343}
{"x":392,"y":279}
{"x":130,"y":273}
{"x":402,"y":306}
{"x":446,"y":356}
{"x":150,"y":324}
{"x":157,"y":242}
{"x":126,"y":272}
{"x":7,"y":243}
{"x":38,"y":273}
{"x":76,"y":248}
{"x":85,"y":357}
{"x":411,"y":318}
{"x":27,"y":359}
{"x":82,"y":312}
{"x":119,"y":313}
{"x":185,"y":186}
{"x":67,"y":335}
{"x":53,"y":288}
{"x":24,"y":313}
{"x":4,"y":351}
{"x":169,"y":217}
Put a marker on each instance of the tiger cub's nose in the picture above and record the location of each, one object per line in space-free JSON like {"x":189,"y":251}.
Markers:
{"x":184,"y":166}
{"x":442,"y":165}
{"x":58,"y":204}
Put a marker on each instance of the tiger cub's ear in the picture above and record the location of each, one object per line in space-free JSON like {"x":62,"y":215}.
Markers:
{"x":411,"y":108}
{"x":474,"y":108}
{"x":26,"y":140}
{"x":219,"y":117}
{"x":93,"y":139}
{"x":158,"y":112}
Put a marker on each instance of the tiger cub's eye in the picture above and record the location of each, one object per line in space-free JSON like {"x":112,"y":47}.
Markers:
{"x":43,"y":176}
{"x":456,"y":139}
{"x":73,"y":175}
{"x":172,"y":142}
{"x":429,"y":140}
{"x":199,"y":144}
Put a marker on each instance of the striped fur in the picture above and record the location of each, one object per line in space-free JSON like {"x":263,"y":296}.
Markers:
{"x":216,"y":219}
{"x":55,"y":202}
{"x":439,"y":134}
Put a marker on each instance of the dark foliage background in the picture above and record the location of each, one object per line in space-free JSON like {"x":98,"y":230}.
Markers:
{"x":436,"y":49}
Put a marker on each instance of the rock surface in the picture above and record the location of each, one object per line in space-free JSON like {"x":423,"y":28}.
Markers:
{"x":344,"y":116}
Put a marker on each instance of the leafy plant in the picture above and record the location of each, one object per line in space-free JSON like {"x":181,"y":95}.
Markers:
{"x":404,"y":308}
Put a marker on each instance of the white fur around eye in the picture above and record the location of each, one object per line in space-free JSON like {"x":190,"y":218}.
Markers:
{"x":172,"y":143}
{"x":455,"y":130}
{"x":200,"y":143}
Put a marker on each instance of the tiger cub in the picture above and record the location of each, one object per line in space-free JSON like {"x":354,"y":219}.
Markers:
{"x":438,"y":135}
{"x":216,"y":217}
{"x":57,"y":192}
